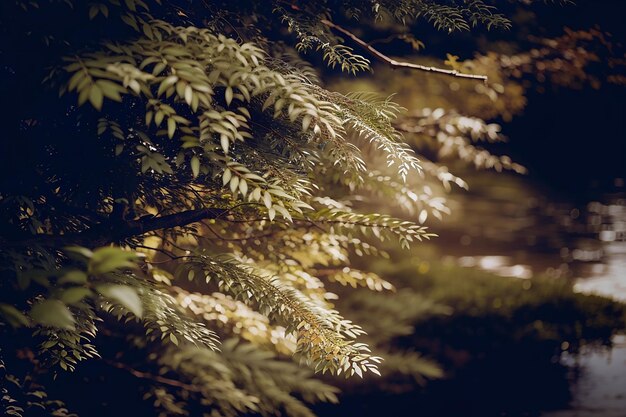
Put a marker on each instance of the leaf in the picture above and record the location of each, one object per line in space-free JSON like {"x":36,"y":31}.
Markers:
{"x":73,"y":277}
{"x":158,"y":117}
{"x":53,"y":313}
{"x":224,"y":142}
{"x":124,"y":295}
{"x":188,"y":94}
{"x":96,"y":97}
{"x":83,"y":95}
{"x":167,"y":83}
{"x":111,"y":89}
{"x":306,"y":121}
{"x":79,"y":250}
{"x":108,"y":259}
{"x":226,"y":176}
{"x":243,"y":187}
{"x":423,"y":216}
{"x":93,"y":11}
{"x":195,"y":166}
{"x":171,"y":127}
{"x":131,"y":5}
{"x":453,"y":61}
{"x":234,"y":183}
{"x":267,"y":199}
{"x":74,"y":295}
{"x":228,"y":95}
{"x":13,"y":316}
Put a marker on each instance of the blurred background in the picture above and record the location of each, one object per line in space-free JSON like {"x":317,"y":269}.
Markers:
{"x":493,"y":310}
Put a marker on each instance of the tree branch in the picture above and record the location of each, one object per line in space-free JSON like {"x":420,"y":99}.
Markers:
{"x":157,"y":378}
{"x":114,"y":231}
{"x":399,"y":64}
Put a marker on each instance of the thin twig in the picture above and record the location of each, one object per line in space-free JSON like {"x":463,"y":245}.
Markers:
{"x":156,"y":378}
{"x":175,"y":258}
{"x":174,"y":245}
{"x":238,"y":239}
{"x":155,"y":249}
{"x":399,"y":64}
{"x":171,"y":257}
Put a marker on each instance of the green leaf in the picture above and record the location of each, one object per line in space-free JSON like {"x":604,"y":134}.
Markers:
{"x":96,"y":97}
{"x":73,"y":277}
{"x":109,"y":259}
{"x":195,"y":166}
{"x":79,"y":250}
{"x":53,"y":313}
{"x":188,"y":94}
{"x":158,"y":117}
{"x":111,"y":89}
{"x":228,"y":95}
{"x":13,"y":316}
{"x":124,"y":295}
{"x":93,"y":11}
{"x":74,"y":295}
{"x":171,"y":127}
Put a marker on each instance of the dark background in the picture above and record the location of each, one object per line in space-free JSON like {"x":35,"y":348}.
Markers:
{"x":572,"y":141}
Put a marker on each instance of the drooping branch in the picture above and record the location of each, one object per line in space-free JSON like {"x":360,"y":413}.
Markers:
{"x":399,"y":64}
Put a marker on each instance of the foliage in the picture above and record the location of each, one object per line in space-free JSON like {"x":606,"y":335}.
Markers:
{"x":457,"y":315}
{"x":543,"y":307}
{"x":574,"y":59}
{"x":181,"y":177}
{"x":23,"y":395}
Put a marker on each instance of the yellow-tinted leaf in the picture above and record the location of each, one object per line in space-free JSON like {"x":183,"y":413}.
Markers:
{"x":124,"y":295}
{"x":195,"y":166}
{"x":53,"y":313}
{"x":171,"y":127}
{"x":13,"y":316}
{"x":96,"y":97}
{"x":228,"y":95}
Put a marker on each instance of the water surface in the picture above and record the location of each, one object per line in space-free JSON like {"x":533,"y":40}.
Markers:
{"x":525,"y":235}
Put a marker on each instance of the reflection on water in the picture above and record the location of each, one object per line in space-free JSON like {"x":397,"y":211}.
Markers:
{"x":499,"y":265}
{"x":593,"y":254}
{"x":600,"y":388}
{"x":513,"y":231}
{"x":609,"y":276}
{"x":598,"y":382}
{"x":526,"y":235}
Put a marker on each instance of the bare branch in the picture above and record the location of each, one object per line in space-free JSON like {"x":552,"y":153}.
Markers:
{"x":399,"y":64}
{"x":156,"y":378}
